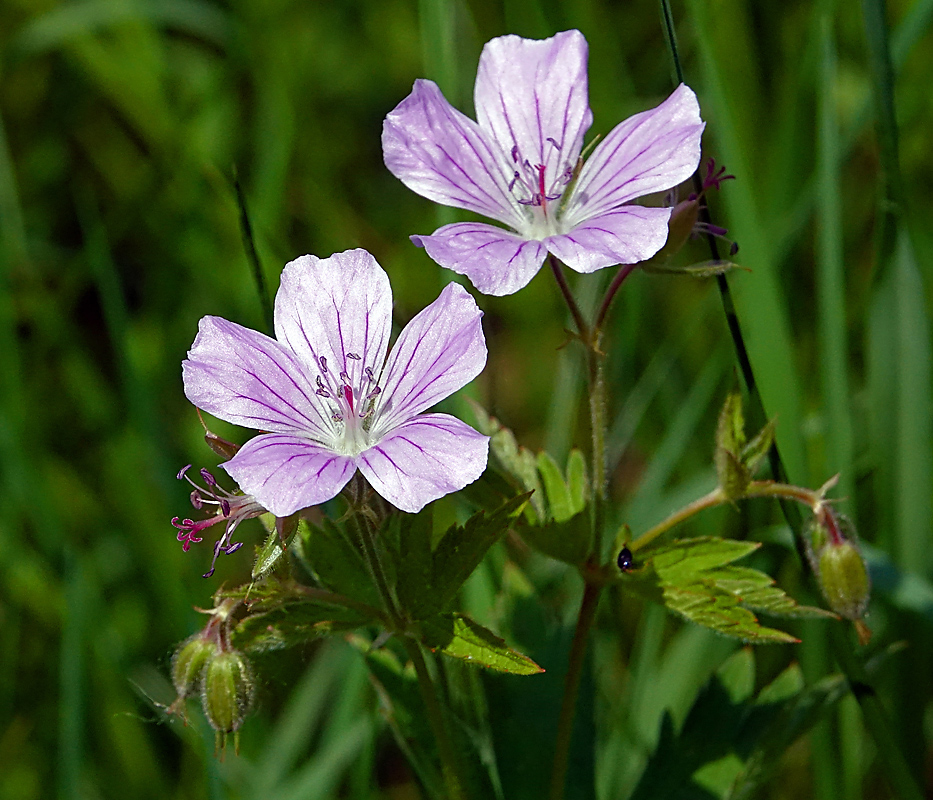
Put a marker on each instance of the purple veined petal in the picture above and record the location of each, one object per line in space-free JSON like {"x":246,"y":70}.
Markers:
{"x":335,"y":309}
{"x":498,"y":262}
{"x":444,"y":156}
{"x":440,"y":351}
{"x":625,"y":236}
{"x":248,"y":379}
{"x":533,"y":98}
{"x":649,"y":152}
{"x":424,"y":459}
{"x":288,"y":473}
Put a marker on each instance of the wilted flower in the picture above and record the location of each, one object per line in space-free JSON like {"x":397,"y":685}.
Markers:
{"x":519,"y":164}
{"x":328,"y":399}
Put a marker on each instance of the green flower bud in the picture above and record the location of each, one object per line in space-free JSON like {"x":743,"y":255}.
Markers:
{"x":844,"y":579}
{"x":228,"y":690}
{"x":188,"y":664}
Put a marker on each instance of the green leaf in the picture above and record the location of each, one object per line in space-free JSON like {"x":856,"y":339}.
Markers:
{"x":755,"y":451}
{"x":704,"y":269}
{"x":558,"y":495}
{"x":577,"y":481}
{"x":516,"y":460}
{"x":291,"y":624}
{"x":730,"y":439}
{"x":337,"y":563}
{"x":429,"y":578}
{"x":734,"y":736}
{"x":693,"y":578}
{"x":568,"y":541}
{"x":460,"y":637}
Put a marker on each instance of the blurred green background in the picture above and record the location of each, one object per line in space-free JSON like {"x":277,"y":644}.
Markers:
{"x":122,"y":125}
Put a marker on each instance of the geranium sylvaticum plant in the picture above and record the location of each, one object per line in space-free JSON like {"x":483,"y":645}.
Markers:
{"x":348,"y":459}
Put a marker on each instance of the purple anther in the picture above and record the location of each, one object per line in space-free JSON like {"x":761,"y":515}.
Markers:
{"x":354,"y":356}
{"x":553,"y":142}
{"x":323,"y":360}
{"x":515,"y":154}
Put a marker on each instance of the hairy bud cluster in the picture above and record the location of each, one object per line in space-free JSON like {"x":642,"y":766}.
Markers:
{"x":206,"y":664}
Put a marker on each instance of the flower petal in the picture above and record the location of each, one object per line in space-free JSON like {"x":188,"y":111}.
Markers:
{"x":533,"y":96}
{"x":498,"y":262}
{"x":443,"y":155}
{"x":649,"y":152}
{"x":331,"y":307}
{"x":625,"y":236}
{"x":440,"y":351}
{"x":424,"y":459}
{"x":244,"y":377}
{"x":288,"y":473}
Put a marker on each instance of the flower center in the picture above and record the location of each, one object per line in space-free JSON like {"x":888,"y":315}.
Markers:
{"x":351,"y":403}
{"x":538,"y":186}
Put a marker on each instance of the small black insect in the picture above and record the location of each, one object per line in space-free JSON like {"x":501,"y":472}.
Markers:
{"x":625,"y":560}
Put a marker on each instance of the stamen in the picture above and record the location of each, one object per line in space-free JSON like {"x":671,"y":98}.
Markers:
{"x":323,"y":361}
{"x":369,"y":374}
{"x":336,"y":417}
{"x":515,"y":154}
{"x":553,"y":142}
{"x":344,"y":377}
{"x":354,"y":356}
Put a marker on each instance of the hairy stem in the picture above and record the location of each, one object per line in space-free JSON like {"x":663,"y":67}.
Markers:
{"x":624,"y":271}
{"x":436,"y":719}
{"x":568,"y":707}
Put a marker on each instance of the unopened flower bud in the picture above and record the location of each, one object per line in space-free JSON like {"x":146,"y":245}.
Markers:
{"x":844,"y":579}
{"x":188,"y":663}
{"x":838,"y":564}
{"x":228,"y":690}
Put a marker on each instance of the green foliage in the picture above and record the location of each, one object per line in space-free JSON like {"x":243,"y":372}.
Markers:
{"x":428,"y":578}
{"x":460,"y":637}
{"x":695,"y":579}
{"x":737,"y":460}
{"x":336,"y":561}
{"x":730,"y":743}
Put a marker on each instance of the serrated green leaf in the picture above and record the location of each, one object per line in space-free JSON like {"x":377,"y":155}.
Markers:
{"x":755,"y":451}
{"x":689,"y":557}
{"x":693,"y":578}
{"x":292,"y":624}
{"x":516,"y":460}
{"x":568,"y":541}
{"x":337,"y":563}
{"x":428,"y":579}
{"x":460,"y":637}
{"x":558,"y":495}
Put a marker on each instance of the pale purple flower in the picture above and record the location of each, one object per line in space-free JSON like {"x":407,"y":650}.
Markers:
{"x":519,"y":165}
{"x":328,"y":400}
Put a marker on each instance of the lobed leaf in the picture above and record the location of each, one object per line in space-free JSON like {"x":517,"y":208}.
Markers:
{"x":428,"y":578}
{"x":335,"y":561}
{"x":695,"y":579}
